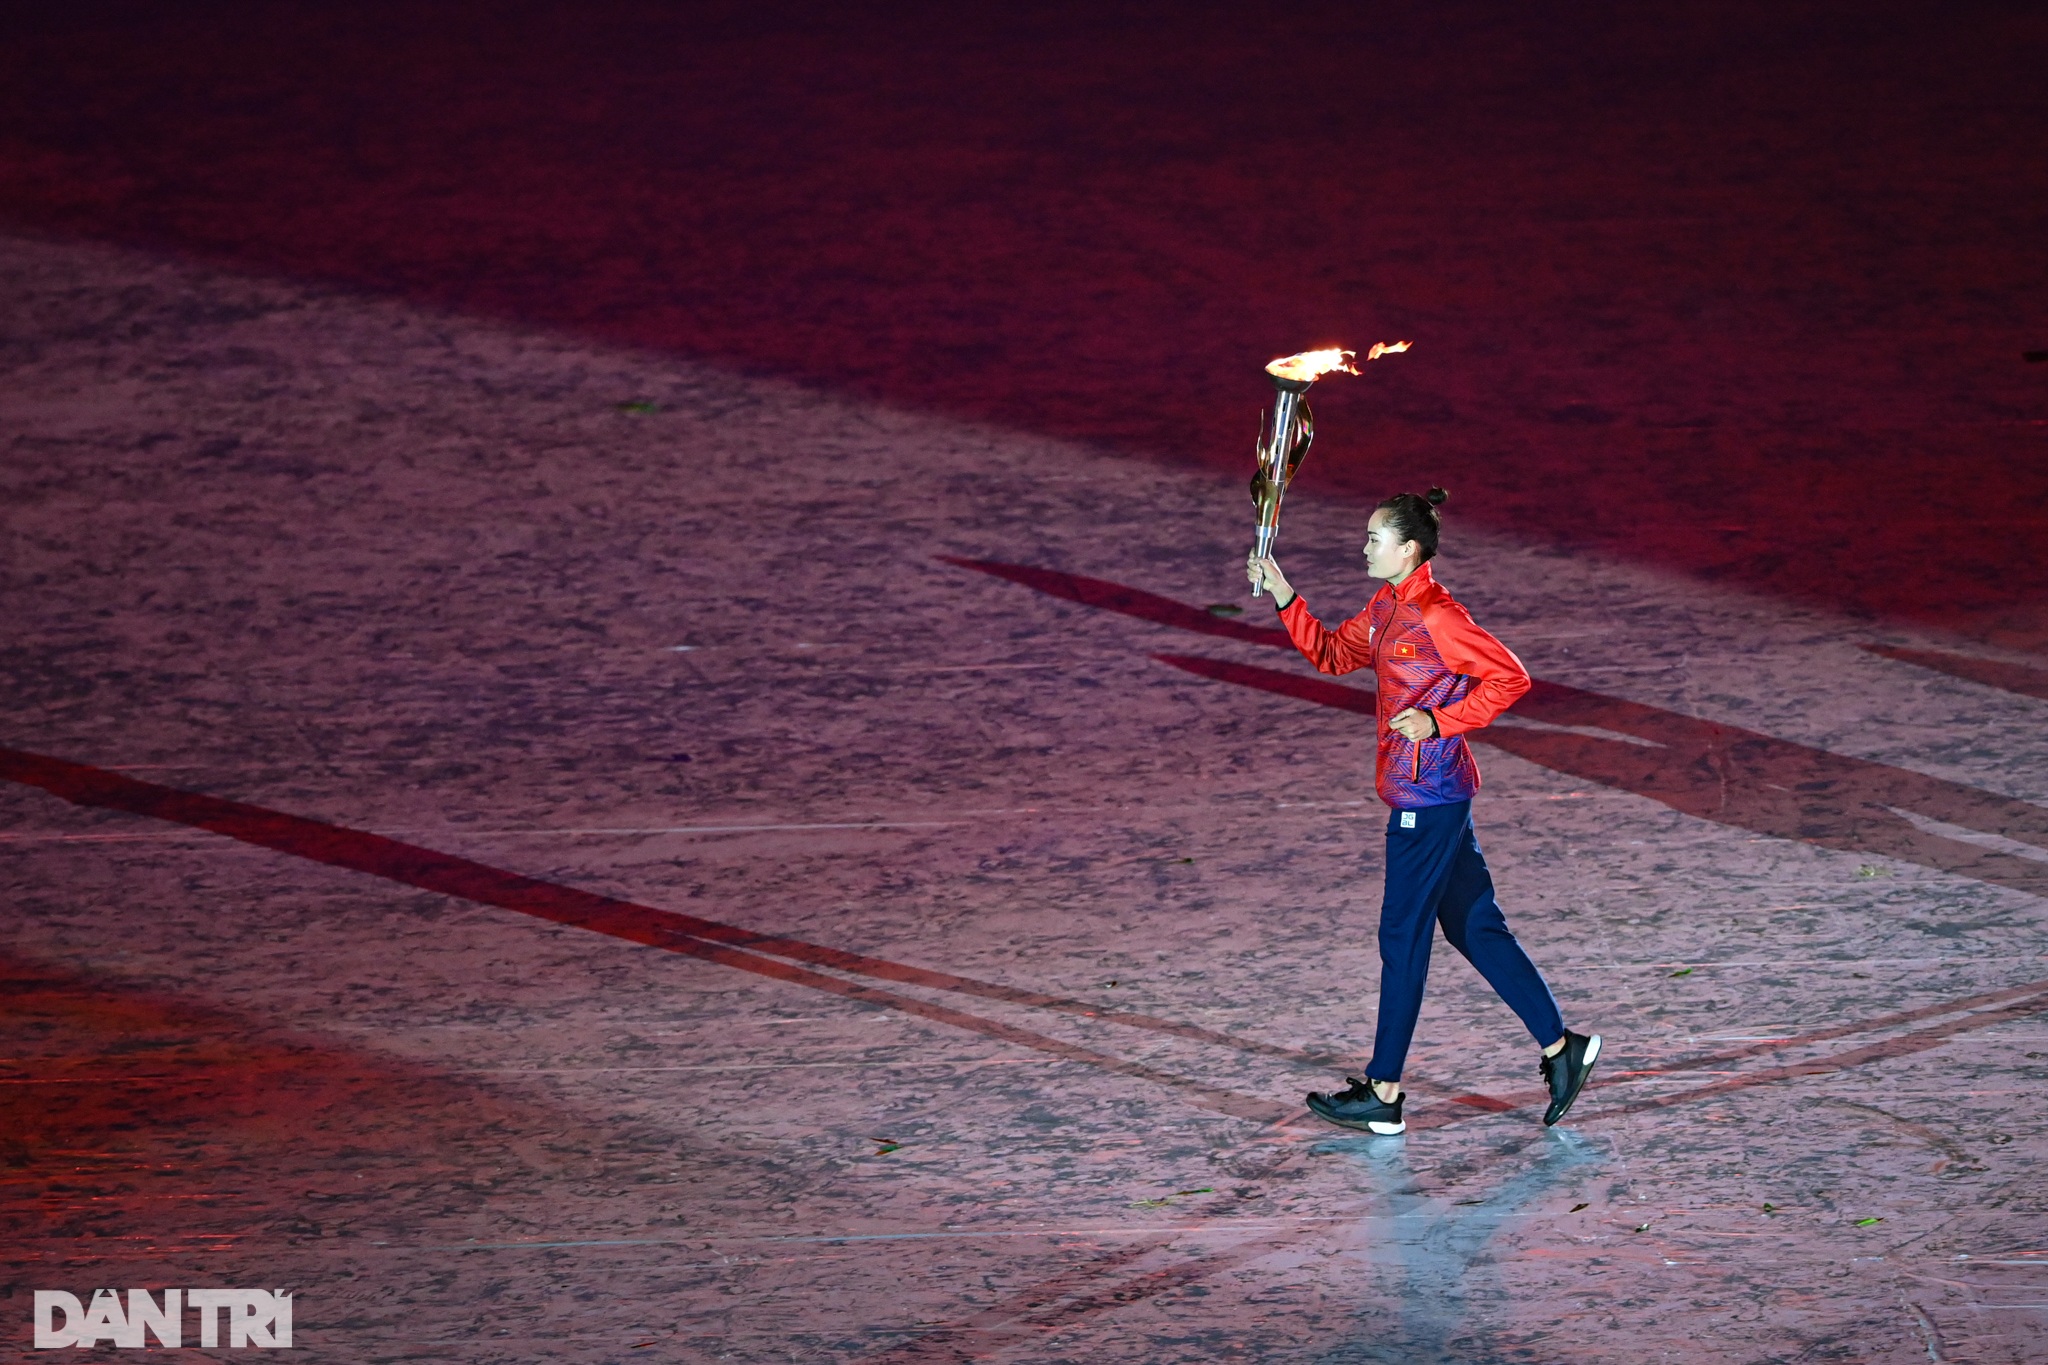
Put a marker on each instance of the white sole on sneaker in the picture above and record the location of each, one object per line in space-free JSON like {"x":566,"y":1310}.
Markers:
{"x":1377,"y":1127}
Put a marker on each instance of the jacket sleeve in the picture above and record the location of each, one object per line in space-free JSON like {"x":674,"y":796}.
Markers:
{"x":1342,"y":650}
{"x":1499,"y":677}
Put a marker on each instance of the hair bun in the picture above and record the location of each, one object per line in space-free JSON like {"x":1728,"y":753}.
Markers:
{"x":1413,"y":517}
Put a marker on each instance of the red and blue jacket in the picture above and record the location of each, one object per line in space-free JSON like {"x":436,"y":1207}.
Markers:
{"x":1425,"y":652}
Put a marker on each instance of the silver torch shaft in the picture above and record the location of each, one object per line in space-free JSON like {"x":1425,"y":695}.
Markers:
{"x":1283,"y":439}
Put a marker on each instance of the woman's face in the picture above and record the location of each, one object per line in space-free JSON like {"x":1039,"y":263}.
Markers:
{"x":1386,"y":554}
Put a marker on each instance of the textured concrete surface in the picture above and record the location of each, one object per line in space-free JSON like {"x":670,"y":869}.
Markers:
{"x":915,"y":916}
{"x":1724,"y":286}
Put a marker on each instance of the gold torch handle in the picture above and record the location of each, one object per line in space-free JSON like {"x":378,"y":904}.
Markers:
{"x":1285,"y":435}
{"x":1283,"y":439}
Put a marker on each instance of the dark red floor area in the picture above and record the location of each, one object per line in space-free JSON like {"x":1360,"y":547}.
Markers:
{"x":452,"y":877}
{"x":1740,"y":290}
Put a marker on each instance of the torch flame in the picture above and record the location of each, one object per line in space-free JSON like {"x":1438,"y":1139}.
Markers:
{"x":1312,"y":365}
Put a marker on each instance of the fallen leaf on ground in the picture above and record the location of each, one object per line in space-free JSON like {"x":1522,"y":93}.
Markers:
{"x":1866,"y":1222}
{"x":1577,"y":1207}
{"x":1683,"y":971}
{"x":884,"y":1146}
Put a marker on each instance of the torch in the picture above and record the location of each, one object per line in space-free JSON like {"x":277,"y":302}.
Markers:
{"x":1288,"y":428}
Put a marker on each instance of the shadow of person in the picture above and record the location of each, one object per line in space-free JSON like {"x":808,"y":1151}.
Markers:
{"x":1733,"y":776}
{"x":1723,"y":773}
{"x":1429,"y":1257}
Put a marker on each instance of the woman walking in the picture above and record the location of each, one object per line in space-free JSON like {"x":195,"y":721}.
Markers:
{"x":1439,"y":675}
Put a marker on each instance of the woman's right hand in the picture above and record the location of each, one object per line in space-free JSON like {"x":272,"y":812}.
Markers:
{"x":1264,"y":573}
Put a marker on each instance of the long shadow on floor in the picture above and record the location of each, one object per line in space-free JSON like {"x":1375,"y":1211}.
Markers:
{"x":1717,"y":772}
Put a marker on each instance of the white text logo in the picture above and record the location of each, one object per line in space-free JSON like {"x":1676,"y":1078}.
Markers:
{"x":255,"y":1317}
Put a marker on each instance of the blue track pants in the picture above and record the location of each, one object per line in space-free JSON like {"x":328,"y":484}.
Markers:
{"x":1436,"y":875}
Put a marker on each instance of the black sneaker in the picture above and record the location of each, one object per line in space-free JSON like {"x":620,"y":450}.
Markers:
{"x":1359,"y":1108}
{"x":1566,"y":1073}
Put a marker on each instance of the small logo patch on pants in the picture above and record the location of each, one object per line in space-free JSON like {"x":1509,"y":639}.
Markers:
{"x":1407,"y":819}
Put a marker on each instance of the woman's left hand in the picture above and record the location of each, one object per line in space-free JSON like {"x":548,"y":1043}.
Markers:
{"x":1414,"y":724}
